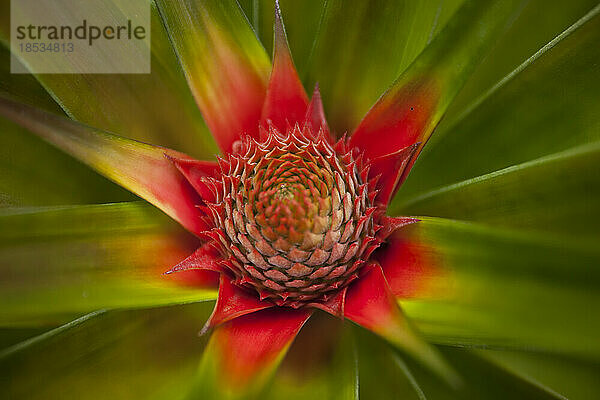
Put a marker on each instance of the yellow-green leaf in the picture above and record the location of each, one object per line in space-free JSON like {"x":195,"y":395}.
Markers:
{"x":115,"y":354}
{"x":70,"y":260}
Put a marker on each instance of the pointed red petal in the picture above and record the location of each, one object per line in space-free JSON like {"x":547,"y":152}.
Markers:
{"x":371,"y":304}
{"x":409,"y":268}
{"x":397,"y":120}
{"x":401,"y":118}
{"x":335,"y":305}
{"x":391,"y":169}
{"x":233,"y":302}
{"x":286,"y":100}
{"x":204,"y":258}
{"x":253,"y":345}
{"x":315,"y":115}
{"x":200,"y":269}
{"x":390,"y":224}
{"x":196,"y":172}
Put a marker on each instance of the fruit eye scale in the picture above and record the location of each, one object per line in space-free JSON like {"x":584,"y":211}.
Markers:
{"x":293,"y":216}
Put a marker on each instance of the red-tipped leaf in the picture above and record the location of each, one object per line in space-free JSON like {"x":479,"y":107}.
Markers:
{"x":196,"y":172}
{"x":139,"y":167}
{"x":200,"y":269}
{"x":205,"y":258}
{"x":410,"y":110}
{"x":371,"y":304}
{"x":242,"y":353}
{"x":401,"y":118}
{"x":233,"y":302}
{"x":286,"y":101}
{"x":410,"y":268}
{"x":225,"y":64}
{"x":391,"y":168}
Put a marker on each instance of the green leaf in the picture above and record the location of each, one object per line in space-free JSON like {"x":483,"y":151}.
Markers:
{"x":54,"y":178}
{"x":361,"y":47}
{"x":575,"y":379}
{"x":382,"y":374}
{"x":143,"y":354}
{"x":156,"y":107}
{"x":322,"y":363}
{"x":302,"y":21}
{"x":558,"y":193}
{"x":22,"y":87}
{"x":524,"y":37}
{"x":493,"y":287}
{"x":13,"y":335}
{"x":33,"y":173}
{"x":546,"y":105}
{"x":482,"y":380}
{"x":69,"y":260}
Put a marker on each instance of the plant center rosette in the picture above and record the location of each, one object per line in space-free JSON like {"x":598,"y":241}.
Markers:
{"x":294,"y":217}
